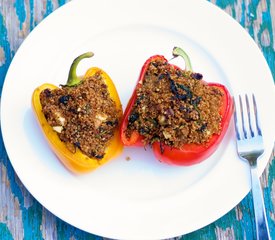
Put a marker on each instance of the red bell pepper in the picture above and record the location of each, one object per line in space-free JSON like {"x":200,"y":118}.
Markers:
{"x":188,"y":154}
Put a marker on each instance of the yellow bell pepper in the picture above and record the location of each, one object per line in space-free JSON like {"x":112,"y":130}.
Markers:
{"x":78,"y":162}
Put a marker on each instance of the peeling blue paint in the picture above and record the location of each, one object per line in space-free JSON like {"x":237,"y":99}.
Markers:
{"x":61,"y":2}
{"x":32,"y":24}
{"x":32,"y":216}
{"x":4,"y":43}
{"x":207,"y":232}
{"x":243,"y":16}
{"x":32,"y":220}
{"x":268,"y":51}
{"x":4,"y":232}
{"x":247,"y":219}
{"x":227,"y":3}
{"x":66,"y":231}
{"x":268,"y":195}
{"x":49,"y":8}
{"x":252,"y":11}
{"x":15,"y":189}
{"x":20,"y":11}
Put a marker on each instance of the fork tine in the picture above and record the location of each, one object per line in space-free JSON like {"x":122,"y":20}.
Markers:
{"x":242,"y":116}
{"x":256,"y":116}
{"x":249,"y":115}
{"x":236,"y":121}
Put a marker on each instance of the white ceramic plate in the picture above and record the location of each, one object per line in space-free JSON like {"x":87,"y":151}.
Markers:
{"x":140,"y":198}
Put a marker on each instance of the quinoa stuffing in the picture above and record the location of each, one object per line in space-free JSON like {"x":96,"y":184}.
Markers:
{"x":175,"y":107}
{"x":84,"y":116}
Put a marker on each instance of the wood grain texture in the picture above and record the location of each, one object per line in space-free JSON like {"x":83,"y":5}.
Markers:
{"x":22,"y":217}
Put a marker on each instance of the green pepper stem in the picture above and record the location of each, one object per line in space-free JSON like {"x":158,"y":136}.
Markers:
{"x":73,"y":79}
{"x":180,"y":52}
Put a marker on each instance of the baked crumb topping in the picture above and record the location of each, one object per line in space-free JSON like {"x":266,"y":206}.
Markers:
{"x":84,"y":116}
{"x":175,"y":107}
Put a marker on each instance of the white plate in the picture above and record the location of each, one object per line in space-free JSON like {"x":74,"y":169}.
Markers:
{"x":140,"y":198}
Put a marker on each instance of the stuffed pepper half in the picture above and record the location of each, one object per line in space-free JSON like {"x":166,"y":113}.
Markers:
{"x":175,"y":111}
{"x":80,"y":120}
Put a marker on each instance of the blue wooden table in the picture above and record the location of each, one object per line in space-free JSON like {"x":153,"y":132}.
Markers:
{"x":22,"y":217}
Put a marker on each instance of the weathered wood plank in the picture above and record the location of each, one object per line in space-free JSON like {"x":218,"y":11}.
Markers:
{"x":22,"y":217}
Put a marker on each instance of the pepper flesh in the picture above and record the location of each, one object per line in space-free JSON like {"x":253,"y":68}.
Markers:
{"x":188,"y":154}
{"x":78,"y":162}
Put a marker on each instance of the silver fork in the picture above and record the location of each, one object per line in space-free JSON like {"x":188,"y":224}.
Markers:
{"x":250,"y":147}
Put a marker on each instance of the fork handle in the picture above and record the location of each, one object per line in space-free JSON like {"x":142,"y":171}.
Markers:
{"x":259,"y":206}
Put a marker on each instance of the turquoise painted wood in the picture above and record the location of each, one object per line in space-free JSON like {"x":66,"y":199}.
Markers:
{"x":22,"y":217}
